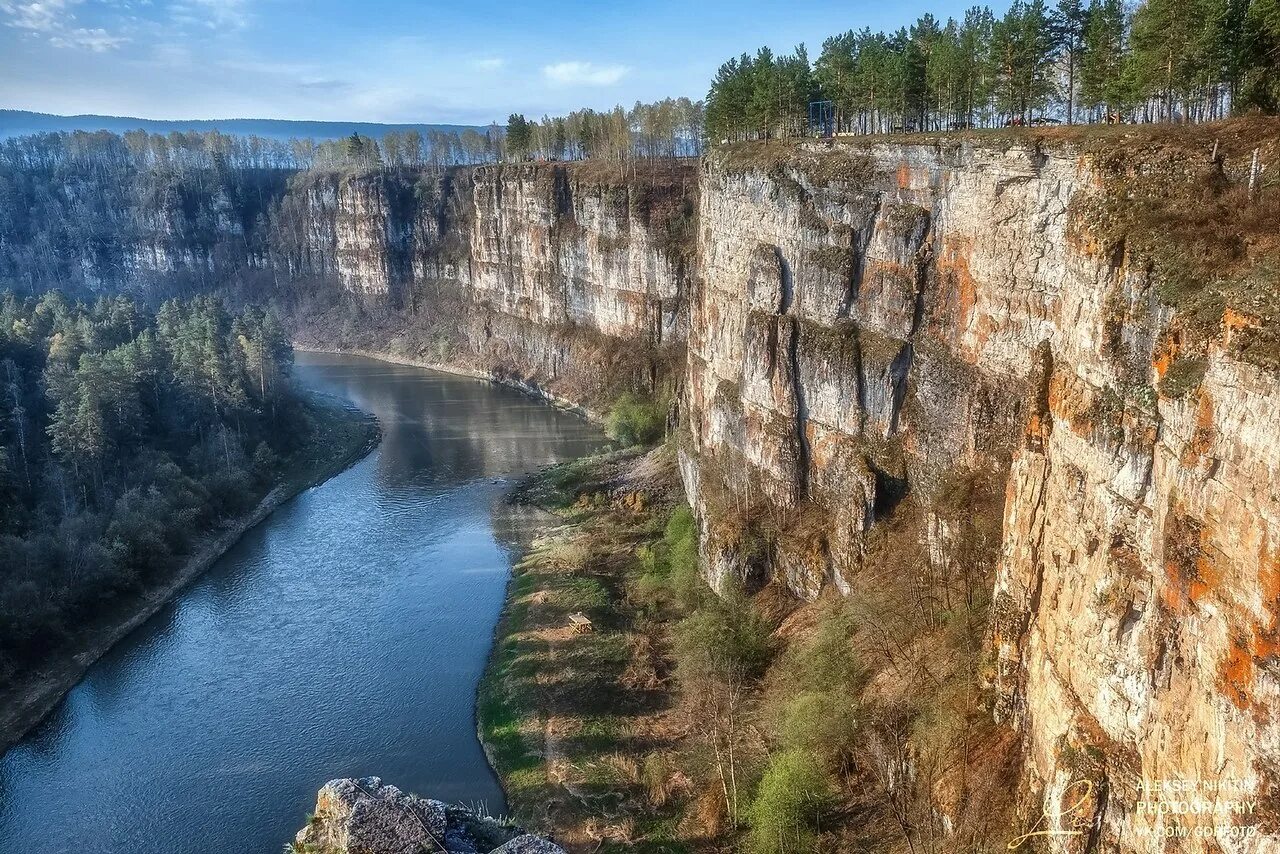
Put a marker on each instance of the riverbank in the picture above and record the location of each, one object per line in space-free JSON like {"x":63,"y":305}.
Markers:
{"x":342,"y":436}
{"x":582,"y":726}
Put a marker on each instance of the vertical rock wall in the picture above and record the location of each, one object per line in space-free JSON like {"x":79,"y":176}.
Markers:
{"x":873,"y":317}
{"x":576,"y":273}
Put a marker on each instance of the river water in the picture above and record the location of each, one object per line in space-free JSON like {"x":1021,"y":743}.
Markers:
{"x":342,"y":637}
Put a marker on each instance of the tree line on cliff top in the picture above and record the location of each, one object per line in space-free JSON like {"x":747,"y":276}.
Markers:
{"x":1078,"y":61}
{"x":672,"y":127}
{"x":124,"y":436}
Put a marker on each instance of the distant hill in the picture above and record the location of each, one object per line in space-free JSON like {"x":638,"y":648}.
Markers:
{"x":22,"y":122}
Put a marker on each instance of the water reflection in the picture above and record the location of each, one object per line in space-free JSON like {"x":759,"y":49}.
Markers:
{"x":343,"y":637}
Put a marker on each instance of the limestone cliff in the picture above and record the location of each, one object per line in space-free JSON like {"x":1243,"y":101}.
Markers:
{"x":564,"y":278}
{"x":876,"y":320}
{"x":373,"y":233}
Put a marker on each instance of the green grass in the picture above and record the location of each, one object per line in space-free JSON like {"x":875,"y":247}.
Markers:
{"x":505,"y":706}
{"x":633,"y":421}
{"x":578,"y":682}
{"x":1183,"y":377}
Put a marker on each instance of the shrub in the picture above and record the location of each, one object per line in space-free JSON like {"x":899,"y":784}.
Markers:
{"x":1183,"y":377}
{"x":823,"y":723}
{"x":815,"y":700}
{"x":791,"y":799}
{"x":681,"y":541}
{"x":725,"y":636}
{"x":826,"y":661}
{"x":669,"y":570}
{"x":633,"y":421}
{"x":265,"y":464}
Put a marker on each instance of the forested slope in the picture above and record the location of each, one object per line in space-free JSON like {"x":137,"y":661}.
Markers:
{"x":125,"y":437}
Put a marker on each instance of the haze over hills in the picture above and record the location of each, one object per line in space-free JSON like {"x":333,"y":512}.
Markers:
{"x":22,"y":122}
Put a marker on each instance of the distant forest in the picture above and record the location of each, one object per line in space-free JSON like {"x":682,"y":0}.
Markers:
{"x":24,"y":123}
{"x":124,"y":436}
{"x":1078,"y":61}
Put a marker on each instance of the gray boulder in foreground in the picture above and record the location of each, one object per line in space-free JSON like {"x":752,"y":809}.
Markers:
{"x":366,"y":816}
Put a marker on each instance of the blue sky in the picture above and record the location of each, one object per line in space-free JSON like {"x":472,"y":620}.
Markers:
{"x":392,"y":61}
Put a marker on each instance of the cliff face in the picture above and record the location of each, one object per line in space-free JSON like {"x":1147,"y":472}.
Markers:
{"x":567,"y":279}
{"x":374,"y":234}
{"x":826,"y":372}
{"x":575,"y":273}
{"x":553,"y":246}
{"x":875,"y":321}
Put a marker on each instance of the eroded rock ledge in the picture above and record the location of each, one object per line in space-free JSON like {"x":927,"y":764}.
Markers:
{"x":367,"y":816}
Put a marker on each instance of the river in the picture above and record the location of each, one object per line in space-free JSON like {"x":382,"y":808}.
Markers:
{"x":342,"y":637}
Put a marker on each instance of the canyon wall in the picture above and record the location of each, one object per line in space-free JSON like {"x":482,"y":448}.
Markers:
{"x":574,"y":275}
{"x":889,"y":345}
{"x":877,"y":320}
{"x":566,"y":279}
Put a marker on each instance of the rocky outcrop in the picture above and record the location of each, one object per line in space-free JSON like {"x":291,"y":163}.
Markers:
{"x":373,"y":233}
{"x":576,"y":274}
{"x":829,"y":369}
{"x":582,"y":245}
{"x":366,"y":816}
{"x":565,"y":278}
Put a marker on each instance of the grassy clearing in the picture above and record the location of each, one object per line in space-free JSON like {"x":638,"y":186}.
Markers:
{"x":567,"y":716}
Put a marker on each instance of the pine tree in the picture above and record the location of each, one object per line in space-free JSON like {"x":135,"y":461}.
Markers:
{"x":1104,"y":68}
{"x":519,"y":137}
{"x":1166,"y":38}
{"x":766,"y":94}
{"x":1068,"y":22}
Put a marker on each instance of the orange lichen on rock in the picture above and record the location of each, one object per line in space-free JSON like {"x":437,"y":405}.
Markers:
{"x":1188,"y":558}
{"x":904,"y":176}
{"x":953,"y":268}
{"x":1262,"y":641}
{"x":1235,"y":675}
{"x":1206,"y":577}
{"x":1069,"y":401}
{"x":1266,"y":633}
{"x":1166,"y":351}
{"x":953,"y":262}
{"x":1234,"y":322}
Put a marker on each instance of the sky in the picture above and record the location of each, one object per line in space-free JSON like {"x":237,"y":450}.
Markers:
{"x":463,"y":62}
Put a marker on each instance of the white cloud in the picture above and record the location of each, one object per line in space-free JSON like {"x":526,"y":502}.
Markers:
{"x":214,"y":14}
{"x":583,"y":74}
{"x":55,"y":20}
{"x":96,"y":39}
{"x":41,"y":16}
